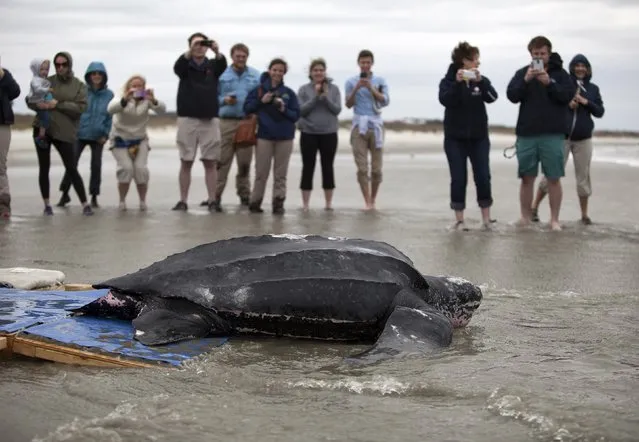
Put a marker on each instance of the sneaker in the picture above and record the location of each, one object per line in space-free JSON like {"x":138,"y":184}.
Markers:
{"x":94,"y":201}
{"x":64,"y":200}
{"x":255,"y":207}
{"x":48,"y":210}
{"x":87,"y":211}
{"x":143,"y":206}
{"x":181,"y":205}
{"x":586,"y":221}
{"x":204,"y":203}
{"x":214,"y":206}
{"x":244,"y":201}
{"x":122,"y":206}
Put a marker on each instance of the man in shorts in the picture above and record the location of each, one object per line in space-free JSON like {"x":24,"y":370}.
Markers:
{"x":197,"y":112}
{"x":543,"y":90}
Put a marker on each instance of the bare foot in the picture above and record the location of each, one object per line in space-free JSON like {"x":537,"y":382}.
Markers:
{"x":305,"y":209}
{"x":555,"y":226}
{"x":523,"y":222}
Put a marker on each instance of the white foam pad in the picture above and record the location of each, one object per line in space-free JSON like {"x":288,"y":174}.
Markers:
{"x":30,"y":279}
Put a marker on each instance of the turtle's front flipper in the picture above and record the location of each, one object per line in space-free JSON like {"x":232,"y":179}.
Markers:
{"x":177,"y":320}
{"x":413,"y":327}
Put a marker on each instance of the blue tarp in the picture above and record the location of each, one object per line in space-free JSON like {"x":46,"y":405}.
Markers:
{"x":44,"y":314}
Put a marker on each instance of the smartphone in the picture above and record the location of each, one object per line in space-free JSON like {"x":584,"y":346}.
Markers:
{"x":139,"y":93}
{"x":363,"y":75}
{"x":537,"y":64}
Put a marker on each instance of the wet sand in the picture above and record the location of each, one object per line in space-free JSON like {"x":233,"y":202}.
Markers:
{"x":551,"y":353}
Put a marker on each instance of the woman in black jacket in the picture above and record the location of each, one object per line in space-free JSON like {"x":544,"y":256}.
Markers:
{"x":464,"y":93}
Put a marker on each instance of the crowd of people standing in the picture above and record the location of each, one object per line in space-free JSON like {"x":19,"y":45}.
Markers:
{"x":217,"y":100}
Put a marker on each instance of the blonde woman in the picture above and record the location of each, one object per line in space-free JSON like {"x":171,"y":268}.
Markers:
{"x":128,"y":138}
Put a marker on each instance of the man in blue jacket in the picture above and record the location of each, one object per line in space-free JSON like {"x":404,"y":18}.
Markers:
{"x":586,"y":103}
{"x":234,"y":85}
{"x":542,"y":89}
{"x":9,"y":91}
{"x":94,"y":128}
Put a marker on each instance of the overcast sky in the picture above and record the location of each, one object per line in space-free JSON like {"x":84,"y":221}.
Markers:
{"x":411,"y":40}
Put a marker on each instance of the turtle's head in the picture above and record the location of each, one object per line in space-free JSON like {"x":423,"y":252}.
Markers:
{"x":455,"y":297}
{"x":112,"y":305}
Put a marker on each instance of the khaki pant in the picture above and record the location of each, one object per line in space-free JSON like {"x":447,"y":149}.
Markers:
{"x":280,"y":153}
{"x":194,"y":132}
{"x":362,"y":145}
{"x":129,"y":169}
{"x":581,"y":157}
{"x":243,"y":157}
{"x":5,"y":140}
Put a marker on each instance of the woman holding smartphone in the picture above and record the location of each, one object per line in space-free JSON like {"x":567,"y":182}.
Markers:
{"x":320,"y":104}
{"x":129,"y":139}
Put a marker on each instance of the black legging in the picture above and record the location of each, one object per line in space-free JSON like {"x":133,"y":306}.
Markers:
{"x":96,"y":167}
{"x":326,"y":144}
{"x":68,"y":155}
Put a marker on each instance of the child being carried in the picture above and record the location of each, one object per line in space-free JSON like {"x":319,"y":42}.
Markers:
{"x":40,"y":92}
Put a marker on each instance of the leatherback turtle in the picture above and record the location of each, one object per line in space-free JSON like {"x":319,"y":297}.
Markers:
{"x":299,"y":286}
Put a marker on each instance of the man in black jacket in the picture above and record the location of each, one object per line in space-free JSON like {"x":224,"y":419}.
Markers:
{"x":9,"y":91}
{"x":197,"y":111}
{"x":587,"y":103}
{"x":543,"y":90}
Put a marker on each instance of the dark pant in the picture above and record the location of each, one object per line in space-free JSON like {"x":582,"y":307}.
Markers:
{"x":96,"y":166}
{"x":310,"y":144}
{"x":457,"y":152}
{"x":67,"y":153}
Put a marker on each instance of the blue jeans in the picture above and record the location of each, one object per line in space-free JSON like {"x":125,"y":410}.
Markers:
{"x":457,"y":153}
{"x":43,"y":118}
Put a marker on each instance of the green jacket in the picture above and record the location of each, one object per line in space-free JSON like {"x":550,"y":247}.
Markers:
{"x":71,"y":94}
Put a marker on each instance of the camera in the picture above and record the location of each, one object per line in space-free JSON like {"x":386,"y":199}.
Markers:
{"x":140,"y":93}
{"x":537,"y":64}
{"x":467,"y":74}
{"x":207,"y":43}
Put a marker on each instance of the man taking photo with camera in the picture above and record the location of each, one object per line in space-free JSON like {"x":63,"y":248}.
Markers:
{"x":543,"y":90}
{"x":197,"y":111}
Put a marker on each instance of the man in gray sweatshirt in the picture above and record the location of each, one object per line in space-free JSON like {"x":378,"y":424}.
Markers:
{"x":320,"y":104}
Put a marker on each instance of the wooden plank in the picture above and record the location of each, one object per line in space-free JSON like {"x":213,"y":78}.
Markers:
{"x":68,"y":355}
{"x":3,"y":343}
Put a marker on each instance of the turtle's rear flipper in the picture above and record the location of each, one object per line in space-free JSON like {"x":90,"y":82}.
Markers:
{"x":177,"y":321}
{"x":413,"y":327}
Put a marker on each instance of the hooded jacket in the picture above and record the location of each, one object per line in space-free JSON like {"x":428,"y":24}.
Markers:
{"x":465,"y":116}
{"x":71,"y":94}
{"x":9,"y":91}
{"x":273,"y":124}
{"x":95,"y":122}
{"x":542,"y":109}
{"x":580,"y":123}
{"x":38,"y":87}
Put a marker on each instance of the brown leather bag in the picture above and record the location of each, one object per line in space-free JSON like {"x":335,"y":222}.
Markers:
{"x":246,"y":132}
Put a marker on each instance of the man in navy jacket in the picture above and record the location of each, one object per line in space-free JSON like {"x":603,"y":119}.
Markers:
{"x":542,"y":91}
{"x":9,"y":91}
{"x":586,"y":103}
